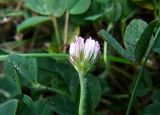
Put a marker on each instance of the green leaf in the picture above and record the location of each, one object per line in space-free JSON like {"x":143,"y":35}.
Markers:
{"x":64,"y":69}
{"x":25,"y":67}
{"x":156,"y":49}
{"x":156,"y":46}
{"x":31,"y":22}
{"x":113,"y":11}
{"x":94,"y":17}
{"x":28,"y":101}
{"x":49,"y":74}
{"x":141,"y":90}
{"x":9,"y":107}
{"x":63,"y":105}
{"x":144,"y":85}
{"x":75,"y":88}
{"x":152,"y":109}
{"x":156,"y":96}
{"x":42,"y":108}
{"x":128,"y":9}
{"x":25,"y":105}
{"x":144,"y":40}
{"x":95,"y":90}
{"x":133,"y":33}
{"x":8,"y":88}
{"x":113,"y":42}
{"x":102,"y":1}
{"x":80,"y":7}
{"x":70,"y":4}
{"x":47,"y":7}
{"x":3,"y":51}
{"x":104,"y":84}
{"x":118,"y":59}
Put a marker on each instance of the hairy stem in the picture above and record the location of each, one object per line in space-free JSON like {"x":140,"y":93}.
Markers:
{"x":85,"y":107}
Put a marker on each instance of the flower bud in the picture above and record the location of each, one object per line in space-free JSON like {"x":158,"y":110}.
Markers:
{"x":83,"y":54}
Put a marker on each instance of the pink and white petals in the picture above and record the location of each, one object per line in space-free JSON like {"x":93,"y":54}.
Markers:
{"x":83,"y":54}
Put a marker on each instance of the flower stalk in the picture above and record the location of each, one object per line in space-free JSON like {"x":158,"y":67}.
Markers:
{"x":83,"y":56}
{"x":85,"y":107}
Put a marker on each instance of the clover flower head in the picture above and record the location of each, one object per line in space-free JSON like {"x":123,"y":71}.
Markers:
{"x":83,"y":54}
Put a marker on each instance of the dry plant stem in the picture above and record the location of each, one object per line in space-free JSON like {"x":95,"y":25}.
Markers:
{"x":66,"y":30}
{"x":19,"y":5}
{"x":133,"y":96}
{"x":55,"y":26}
{"x":155,"y":9}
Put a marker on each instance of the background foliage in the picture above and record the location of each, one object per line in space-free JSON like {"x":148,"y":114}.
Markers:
{"x":36,"y":77}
